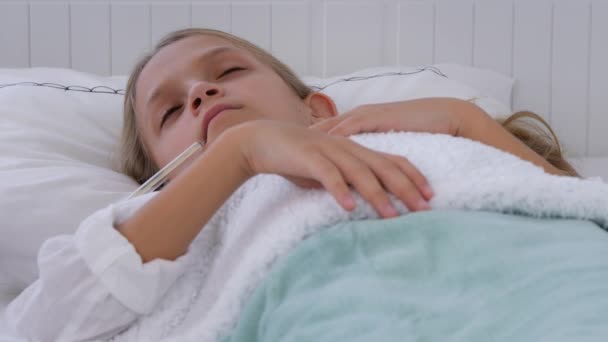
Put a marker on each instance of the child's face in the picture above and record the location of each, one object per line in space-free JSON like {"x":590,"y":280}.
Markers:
{"x":196,"y":74}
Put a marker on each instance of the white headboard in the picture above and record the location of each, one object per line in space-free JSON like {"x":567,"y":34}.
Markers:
{"x":556,"y":49}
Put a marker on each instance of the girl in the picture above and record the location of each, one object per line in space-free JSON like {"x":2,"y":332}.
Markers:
{"x":254,"y":115}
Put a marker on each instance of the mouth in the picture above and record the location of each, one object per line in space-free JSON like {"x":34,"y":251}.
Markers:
{"x":212,"y":113}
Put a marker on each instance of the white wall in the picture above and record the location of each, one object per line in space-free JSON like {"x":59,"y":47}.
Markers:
{"x":556,"y":49}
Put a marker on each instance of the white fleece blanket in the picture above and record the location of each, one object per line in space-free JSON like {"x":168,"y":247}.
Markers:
{"x":268,"y":216}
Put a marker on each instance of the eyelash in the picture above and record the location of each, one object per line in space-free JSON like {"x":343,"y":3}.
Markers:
{"x":168,"y":113}
{"x":230,"y":70}
{"x":174,"y":109}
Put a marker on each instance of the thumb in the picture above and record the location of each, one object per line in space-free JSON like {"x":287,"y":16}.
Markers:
{"x":353,"y":125}
{"x":327,"y":124}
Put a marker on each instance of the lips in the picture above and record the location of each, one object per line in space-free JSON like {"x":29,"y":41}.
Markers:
{"x":212,"y":113}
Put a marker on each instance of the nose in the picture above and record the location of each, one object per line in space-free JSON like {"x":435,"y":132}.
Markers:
{"x":200,"y":92}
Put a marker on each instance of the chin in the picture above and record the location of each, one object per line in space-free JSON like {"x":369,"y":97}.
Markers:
{"x":221,"y":124}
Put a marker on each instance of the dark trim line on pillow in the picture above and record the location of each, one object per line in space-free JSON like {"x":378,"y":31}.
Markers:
{"x":362,"y":78}
{"x":108,"y":90}
{"x":97,"y":89}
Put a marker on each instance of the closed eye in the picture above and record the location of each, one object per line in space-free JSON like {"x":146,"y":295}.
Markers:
{"x":230,"y":70}
{"x":168,"y":113}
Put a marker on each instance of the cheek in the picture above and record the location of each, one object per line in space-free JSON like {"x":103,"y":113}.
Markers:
{"x":174,"y":142}
{"x":292,"y":110}
{"x":229,"y":119}
{"x":277,"y":101}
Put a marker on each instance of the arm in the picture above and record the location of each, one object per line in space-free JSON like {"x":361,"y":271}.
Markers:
{"x":434,"y":115}
{"x":187,"y":203}
{"x":476,"y":124}
{"x":96,"y":282}
{"x":241,"y":152}
{"x":100,"y":280}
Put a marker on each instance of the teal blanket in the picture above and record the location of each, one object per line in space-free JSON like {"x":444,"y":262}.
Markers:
{"x":437,"y":276}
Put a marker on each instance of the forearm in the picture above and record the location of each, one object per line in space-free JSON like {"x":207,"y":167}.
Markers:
{"x":167,"y":224}
{"x":477,"y":125}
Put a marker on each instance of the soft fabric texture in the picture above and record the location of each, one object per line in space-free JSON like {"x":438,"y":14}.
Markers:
{"x":264,"y":220}
{"x":56,"y":165}
{"x":491,"y":90}
{"x":98,"y":277}
{"x":58,"y":147}
{"x":437,"y":276}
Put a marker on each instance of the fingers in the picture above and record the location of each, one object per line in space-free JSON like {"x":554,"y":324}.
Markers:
{"x":327,"y":124}
{"x":375,"y":174}
{"x":332,"y":180}
{"x":397,"y":181}
{"x":347,"y":124}
{"x":413,"y":174}
{"x":352,"y":125}
{"x":307,"y":183}
{"x":363,"y":179}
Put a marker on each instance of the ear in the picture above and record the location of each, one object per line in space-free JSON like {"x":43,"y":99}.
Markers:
{"x":321,"y":106}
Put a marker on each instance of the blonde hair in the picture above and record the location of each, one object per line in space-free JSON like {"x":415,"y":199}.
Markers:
{"x":524,"y":126}
{"x":135,"y":160}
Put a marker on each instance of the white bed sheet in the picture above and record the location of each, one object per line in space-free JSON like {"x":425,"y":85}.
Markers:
{"x":592,"y":167}
{"x":6,"y":335}
{"x":588,"y":167}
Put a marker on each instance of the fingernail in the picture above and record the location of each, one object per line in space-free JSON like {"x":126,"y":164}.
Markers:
{"x":428,"y":191}
{"x":389,"y":210}
{"x":423,"y":205}
{"x":349,"y":201}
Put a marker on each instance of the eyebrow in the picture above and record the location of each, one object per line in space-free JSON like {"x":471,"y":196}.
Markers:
{"x":155,"y":94}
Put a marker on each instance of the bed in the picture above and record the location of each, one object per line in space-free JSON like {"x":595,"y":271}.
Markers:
{"x":5,"y":333}
{"x":547,"y":56}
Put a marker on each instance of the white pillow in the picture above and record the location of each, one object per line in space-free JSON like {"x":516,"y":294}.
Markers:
{"x":55,"y":165}
{"x":56,"y":147}
{"x":491,"y":90}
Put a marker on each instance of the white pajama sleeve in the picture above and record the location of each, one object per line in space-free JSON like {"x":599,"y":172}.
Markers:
{"x":92,"y":284}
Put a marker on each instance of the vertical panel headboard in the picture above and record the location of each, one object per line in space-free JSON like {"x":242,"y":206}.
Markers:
{"x":556,"y":49}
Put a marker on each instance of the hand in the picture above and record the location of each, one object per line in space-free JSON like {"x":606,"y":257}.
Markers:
{"x":311,"y":157}
{"x":433,"y":115}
